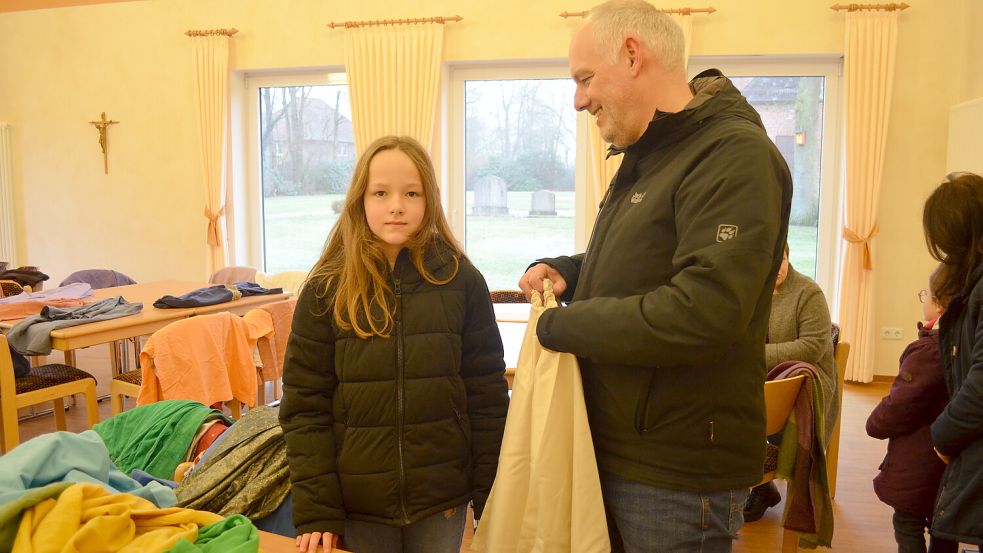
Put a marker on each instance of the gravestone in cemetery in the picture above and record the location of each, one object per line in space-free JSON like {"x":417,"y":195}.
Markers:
{"x":543,"y":203}
{"x":491,"y":196}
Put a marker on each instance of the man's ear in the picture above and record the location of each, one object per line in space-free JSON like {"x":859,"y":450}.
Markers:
{"x":633,"y":52}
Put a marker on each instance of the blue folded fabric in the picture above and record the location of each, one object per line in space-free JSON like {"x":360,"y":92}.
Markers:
{"x":213,"y":295}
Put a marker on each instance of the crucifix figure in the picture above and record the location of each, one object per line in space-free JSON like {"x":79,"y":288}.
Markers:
{"x":102,"y":125}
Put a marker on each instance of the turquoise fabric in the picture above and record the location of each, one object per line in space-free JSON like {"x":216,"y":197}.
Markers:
{"x":235,"y":534}
{"x":154,"y":438}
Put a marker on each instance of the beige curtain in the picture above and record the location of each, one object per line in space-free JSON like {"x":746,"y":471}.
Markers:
{"x":8,"y":245}
{"x":871,"y":40}
{"x":601,"y":169}
{"x":394,"y":80}
{"x":211,"y":63}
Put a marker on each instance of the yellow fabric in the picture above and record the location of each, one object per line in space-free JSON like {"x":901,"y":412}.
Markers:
{"x":86,"y":518}
{"x":211,"y":78}
{"x":547,"y":493}
{"x":869,"y":53}
{"x":394,"y":80}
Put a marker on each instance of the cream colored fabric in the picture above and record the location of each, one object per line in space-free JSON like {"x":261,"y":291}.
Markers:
{"x":211,"y":64}
{"x":871,"y":41}
{"x":85,"y":517}
{"x":290,"y":281}
{"x":547,"y":493}
{"x":394,"y":80}
{"x":601,"y":169}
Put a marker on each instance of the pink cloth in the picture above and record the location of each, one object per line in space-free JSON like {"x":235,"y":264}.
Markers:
{"x":205,"y":358}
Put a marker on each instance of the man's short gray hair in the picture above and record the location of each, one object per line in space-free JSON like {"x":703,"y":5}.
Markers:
{"x":612,"y":21}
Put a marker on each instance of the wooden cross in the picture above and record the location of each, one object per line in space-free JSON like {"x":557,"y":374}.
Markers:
{"x":102,"y":125}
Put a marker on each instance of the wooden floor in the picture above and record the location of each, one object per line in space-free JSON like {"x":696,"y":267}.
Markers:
{"x":862,"y":522}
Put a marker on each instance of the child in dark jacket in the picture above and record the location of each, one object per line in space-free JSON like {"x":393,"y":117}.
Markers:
{"x":394,"y":392}
{"x":911,"y":471}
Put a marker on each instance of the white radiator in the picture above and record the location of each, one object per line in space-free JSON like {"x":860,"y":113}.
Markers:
{"x":7,"y":243}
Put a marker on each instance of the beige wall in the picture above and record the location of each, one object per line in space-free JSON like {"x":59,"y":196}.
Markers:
{"x":60,"y":68}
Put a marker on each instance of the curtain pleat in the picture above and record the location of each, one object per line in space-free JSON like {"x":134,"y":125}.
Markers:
{"x":394,"y":81}
{"x":211,"y":64}
{"x":871,"y":41}
{"x":8,"y":245}
{"x":601,"y":169}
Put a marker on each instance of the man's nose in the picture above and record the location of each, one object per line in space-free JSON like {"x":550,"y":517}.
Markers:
{"x":580,"y":100}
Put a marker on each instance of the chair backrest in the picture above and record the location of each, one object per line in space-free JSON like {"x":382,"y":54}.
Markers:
{"x":779,"y":398}
{"x":232,"y":275}
{"x":98,"y":278}
{"x":290,"y":281}
{"x":10,"y":288}
{"x":508,"y":296}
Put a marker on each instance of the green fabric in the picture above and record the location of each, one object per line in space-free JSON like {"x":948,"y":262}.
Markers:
{"x":154,"y":438}
{"x":805,"y":471}
{"x":245,"y":474}
{"x":10,"y":513}
{"x":235,"y":534}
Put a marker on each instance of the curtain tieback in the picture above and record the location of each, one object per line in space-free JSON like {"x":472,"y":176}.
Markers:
{"x":214,"y":237}
{"x":855,"y":238}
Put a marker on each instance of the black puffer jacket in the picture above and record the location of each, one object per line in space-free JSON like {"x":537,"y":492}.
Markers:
{"x":958,"y":431}
{"x":393,"y":430}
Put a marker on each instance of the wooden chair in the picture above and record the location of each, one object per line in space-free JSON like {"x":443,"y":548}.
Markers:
{"x":841,"y":352}
{"x":508,"y":296}
{"x":125,"y":384}
{"x":779,"y":399}
{"x":45,"y":383}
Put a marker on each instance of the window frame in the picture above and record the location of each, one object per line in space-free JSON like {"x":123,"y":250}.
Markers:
{"x":829,"y":244}
{"x":253,"y":229}
{"x":454,"y":194}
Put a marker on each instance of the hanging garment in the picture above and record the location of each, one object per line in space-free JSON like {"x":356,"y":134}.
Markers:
{"x":547,"y":493}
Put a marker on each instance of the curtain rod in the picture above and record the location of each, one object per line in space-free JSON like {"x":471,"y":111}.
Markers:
{"x":681,"y":11}
{"x":212,"y":32}
{"x":861,"y":7}
{"x":378,"y":22}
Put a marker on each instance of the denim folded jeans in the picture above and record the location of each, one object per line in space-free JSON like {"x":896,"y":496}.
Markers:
{"x":438,"y":533}
{"x":647,"y":519}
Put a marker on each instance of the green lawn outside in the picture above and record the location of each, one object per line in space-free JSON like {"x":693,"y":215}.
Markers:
{"x":501,"y":246}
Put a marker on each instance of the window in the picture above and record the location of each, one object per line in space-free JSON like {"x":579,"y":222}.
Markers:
{"x":514,"y":165}
{"x":304,"y":157}
{"x":798,"y":104}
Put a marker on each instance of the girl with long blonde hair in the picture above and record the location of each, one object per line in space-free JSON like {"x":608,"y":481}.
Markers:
{"x":394,"y":393}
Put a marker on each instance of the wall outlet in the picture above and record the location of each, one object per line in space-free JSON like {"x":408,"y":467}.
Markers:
{"x":892,"y":333}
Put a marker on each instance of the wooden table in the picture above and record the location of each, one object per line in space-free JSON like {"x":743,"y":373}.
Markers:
{"x":146,"y":322}
{"x":512,"y":312}
{"x":275,"y":543}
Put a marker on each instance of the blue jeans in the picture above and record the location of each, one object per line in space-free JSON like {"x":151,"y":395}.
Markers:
{"x":439,"y":533}
{"x":646,"y":519}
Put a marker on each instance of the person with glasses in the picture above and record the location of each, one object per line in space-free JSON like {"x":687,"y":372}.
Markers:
{"x":910,"y":473}
{"x":799,"y":329}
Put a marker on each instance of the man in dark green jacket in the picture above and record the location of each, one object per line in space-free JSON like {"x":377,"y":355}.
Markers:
{"x":669,"y":304}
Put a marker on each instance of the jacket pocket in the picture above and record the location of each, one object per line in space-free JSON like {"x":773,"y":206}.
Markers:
{"x":645,"y":410}
{"x":465,"y":427}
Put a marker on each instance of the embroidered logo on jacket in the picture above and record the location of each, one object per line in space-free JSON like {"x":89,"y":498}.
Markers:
{"x":726,"y":232}
{"x":636,"y":198}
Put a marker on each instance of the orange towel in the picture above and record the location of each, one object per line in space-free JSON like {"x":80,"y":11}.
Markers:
{"x":205,"y":358}
{"x":10,"y":311}
{"x":270,"y":325}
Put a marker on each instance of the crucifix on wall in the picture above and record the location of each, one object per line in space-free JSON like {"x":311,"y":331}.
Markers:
{"x":103,"y":125}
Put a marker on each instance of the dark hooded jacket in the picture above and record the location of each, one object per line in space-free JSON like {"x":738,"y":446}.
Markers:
{"x":910,"y":472}
{"x":958,"y":431}
{"x":670,"y":302}
{"x":392,"y":430}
